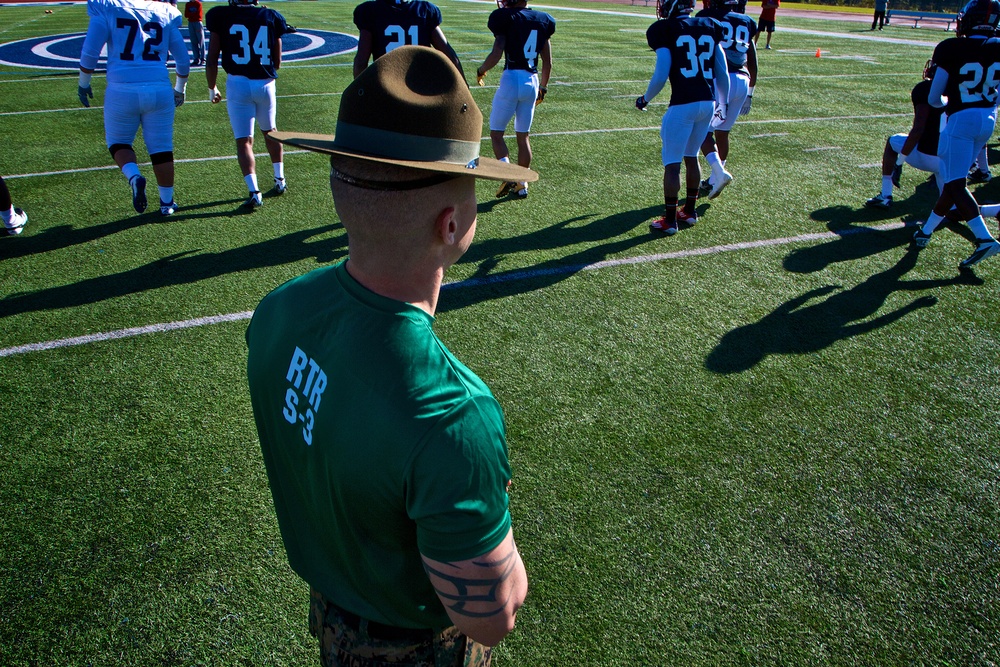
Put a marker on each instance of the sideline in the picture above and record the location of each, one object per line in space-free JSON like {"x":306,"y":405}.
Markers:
{"x":467,"y":283}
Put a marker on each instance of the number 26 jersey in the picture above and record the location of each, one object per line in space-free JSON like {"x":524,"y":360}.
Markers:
{"x":692,"y":43}
{"x":973,"y":67}
{"x":250,"y":38}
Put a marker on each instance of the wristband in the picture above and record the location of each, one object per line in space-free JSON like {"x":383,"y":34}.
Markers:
{"x":85,"y":79}
{"x":900,"y":159}
{"x":750,"y":92}
{"x":212,"y":94}
{"x":181,"y":84}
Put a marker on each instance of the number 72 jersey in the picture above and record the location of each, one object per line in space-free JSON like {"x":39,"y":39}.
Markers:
{"x":973,"y":67}
{"x":138,"y":34}
{"x":251,"y":39}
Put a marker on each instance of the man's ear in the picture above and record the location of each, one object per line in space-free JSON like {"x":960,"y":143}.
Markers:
{"x":445,"y":225}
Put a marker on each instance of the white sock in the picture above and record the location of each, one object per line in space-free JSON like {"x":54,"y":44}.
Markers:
{"x":251,"y":181}
{"x":715,"y":163}
{"x":279,"y":170}
{"x":933,"y":220}
{"x":978,"y":227}
{"x":887,"y":186}
{"x":166,"y":194}
{"x":130,"y":170}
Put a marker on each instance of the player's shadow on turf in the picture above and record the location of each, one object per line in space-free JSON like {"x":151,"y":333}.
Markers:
{"x":182,"y":269}
{"x":797,"y":328}
{"x":489,"y":253}
{"x":67,"y":236}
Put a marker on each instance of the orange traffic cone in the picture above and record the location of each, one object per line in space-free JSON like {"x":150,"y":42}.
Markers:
{"x":817,"y":53}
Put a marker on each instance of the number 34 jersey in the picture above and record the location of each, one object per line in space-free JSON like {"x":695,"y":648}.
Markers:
{"x":973,"y":67}
{"x":250,"y":38}
{"x":691,"y":42}
{"x":391,"y":25}
{"x":138,"y":34}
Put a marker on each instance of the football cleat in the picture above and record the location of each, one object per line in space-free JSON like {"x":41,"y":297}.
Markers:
{"x":897,"y":173}
{"x":878,"y":201}
{"x":506,"y":189}
{"x":984,"y":250}
{"x":664,"y":226}
{"x":977,"y":175}
{"x":723,"y":181}
{"x":167,"y":208}
{"x":522,"y":193}
{"x":255,"y":201}
{"x":280,"y":186}
{"x":705,"y":187}
{"x":921,"y":238}
{"x":138,"y":184}
{"x":683,"y":217}
{"x":17,"y":222}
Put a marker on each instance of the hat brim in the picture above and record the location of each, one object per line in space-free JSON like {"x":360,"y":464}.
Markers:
{"x":487,"y":168}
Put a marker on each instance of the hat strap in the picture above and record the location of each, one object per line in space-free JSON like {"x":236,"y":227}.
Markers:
{"x":390,"y":186}
{"x":399,"y":146}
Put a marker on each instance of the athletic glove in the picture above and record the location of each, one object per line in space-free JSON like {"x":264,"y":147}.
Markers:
{"x":480,"y":77}
{"x":720,"y":114}
{"x":84,"y":93}
{"x":214,"y":96}
{"x":641,"y":103}
{"x":541,"y":95}
{"x":180,"y":86}
{"x":745,"y":109}
{"x":178,"y":99}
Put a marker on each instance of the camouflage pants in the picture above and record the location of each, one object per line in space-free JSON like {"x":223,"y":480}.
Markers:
{"x":341,"y":644}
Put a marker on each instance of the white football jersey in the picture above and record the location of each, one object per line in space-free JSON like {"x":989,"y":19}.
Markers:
{"x":138,"y":34}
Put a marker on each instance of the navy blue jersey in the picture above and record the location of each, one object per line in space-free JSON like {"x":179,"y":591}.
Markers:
{"x":740,"y":30}
{"x":525,"y":32}
{"x":973,"y":67}
{"x":393,"y":25}
{"x":692,"y":43}
{"x":928,"y":144}
{"x":250,"y":37}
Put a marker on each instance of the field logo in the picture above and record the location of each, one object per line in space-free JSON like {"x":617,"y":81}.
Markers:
{"x":63,"y":51}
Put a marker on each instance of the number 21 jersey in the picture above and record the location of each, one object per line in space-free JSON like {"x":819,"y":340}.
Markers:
{"x":392,"y":25}
{"x":250,"y":37}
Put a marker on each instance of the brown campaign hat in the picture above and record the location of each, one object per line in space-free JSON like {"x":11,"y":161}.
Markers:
{"x":411,"y":108}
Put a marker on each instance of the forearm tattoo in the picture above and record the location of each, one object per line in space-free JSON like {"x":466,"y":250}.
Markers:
{"x":478,"y":593}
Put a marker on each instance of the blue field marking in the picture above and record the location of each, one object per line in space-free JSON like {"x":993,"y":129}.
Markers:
{"x":62,"y":52}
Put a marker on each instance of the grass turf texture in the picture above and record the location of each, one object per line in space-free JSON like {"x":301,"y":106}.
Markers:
{"x":784,"y":454}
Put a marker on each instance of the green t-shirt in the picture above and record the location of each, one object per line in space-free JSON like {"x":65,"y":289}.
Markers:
{"x":379,"y":445}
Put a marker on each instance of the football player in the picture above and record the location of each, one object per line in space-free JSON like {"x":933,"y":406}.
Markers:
{"x":741,"y":61}
{"x":688,"y":53}
{"x":918,"y":148}
{"x":384,"y":25}
{"x":523,"y":37}
{"x":249,"y":39}
{"x":14,"y":219}
{"x":965,"y":85}
{"x":138,"y":34}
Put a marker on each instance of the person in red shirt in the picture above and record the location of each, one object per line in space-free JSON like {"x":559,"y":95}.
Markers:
{"x":196,"y":30}
{"x":766,"y":20}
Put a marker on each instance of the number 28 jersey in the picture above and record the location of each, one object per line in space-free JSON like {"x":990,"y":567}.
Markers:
{"x":973,"y":67}
{"x":138,"y":34}
{"x":391,"y":25}
{"x":250,"y":37}
{"x":525,"y":32}
{"x":691,"y":42}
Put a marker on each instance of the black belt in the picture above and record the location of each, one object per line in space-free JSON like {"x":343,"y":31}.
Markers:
{"x":385,"y":632}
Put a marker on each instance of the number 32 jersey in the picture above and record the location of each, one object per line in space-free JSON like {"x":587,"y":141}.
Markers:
{"x":139,"y":34}
{"x":692,"y":43}
{"x":525,"y":31}
{"x":973,"y":67}
{"x":392,"y":25}
{"x":250,"y":36}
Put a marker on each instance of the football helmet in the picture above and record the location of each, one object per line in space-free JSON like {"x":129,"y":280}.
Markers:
{"x":508,"y":3}
{"x":668,"y":9}
{"x":978,"y":17}
{"x":237,"y":3}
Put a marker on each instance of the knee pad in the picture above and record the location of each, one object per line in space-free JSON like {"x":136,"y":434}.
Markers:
{"x":114,"y":148}
{"x":161,"y":158}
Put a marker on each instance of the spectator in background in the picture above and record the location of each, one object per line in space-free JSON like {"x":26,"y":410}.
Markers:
{"x":196,"y":30}
{"x":766,"y":20}
{"x":14,"y":219}
{"x":879,"y":17}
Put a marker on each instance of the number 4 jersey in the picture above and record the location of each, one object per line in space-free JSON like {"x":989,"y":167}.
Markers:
{"x":393,"y":25}
{"x":139,"y":34}
{"x":973,"y":67}
{"x":691,"y":42}
{"x":525,"y":31}
{"x":250,"y":36}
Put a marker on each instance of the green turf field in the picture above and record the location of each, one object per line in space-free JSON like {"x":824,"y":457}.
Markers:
{"x":772,"y":439}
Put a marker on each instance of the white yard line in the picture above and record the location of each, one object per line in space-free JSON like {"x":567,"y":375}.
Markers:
{"x":470,"y":282}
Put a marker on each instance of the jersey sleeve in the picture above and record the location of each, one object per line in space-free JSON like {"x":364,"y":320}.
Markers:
{"x":433,"y":17}
{"x":213,"y":20}
{"x":498,"y":23}
{"x":97,"y":36}
{"x":457,"y":483}
{"x":363,"y":16}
